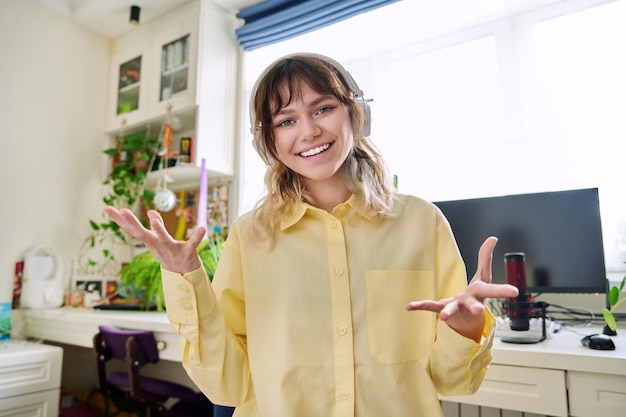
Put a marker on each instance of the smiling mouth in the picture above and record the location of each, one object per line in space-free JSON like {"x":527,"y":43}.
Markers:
{"x":315,"y":151}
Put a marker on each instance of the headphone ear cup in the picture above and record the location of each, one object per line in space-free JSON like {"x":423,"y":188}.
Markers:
{"x":367,"y":118}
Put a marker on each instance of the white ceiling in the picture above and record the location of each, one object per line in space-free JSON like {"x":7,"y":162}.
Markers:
{"x":110,"y":17}
{"x":424,"y":18}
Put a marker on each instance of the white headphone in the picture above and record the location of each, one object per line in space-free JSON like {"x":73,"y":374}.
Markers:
{"x":357,"y":93}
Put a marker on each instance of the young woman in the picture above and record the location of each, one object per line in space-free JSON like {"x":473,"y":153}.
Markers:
{"x":307,"y":313}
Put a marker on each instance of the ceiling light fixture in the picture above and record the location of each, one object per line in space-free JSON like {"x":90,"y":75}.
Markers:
{"x":134,"y":15}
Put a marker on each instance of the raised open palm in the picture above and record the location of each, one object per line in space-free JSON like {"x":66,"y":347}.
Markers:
{"x":174,"y":255}
{"x":464,"y":312}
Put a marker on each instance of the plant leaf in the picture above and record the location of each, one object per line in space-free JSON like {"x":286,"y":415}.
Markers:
{"x":613,"y":296}
{"x":111,"y":153}
{"x":609,"y":319}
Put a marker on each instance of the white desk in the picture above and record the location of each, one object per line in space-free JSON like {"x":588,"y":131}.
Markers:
{"x":557,"y":377}
{"x":77,"y":326}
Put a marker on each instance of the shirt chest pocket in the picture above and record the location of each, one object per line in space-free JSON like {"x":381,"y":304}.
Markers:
{"x":396,"y":335}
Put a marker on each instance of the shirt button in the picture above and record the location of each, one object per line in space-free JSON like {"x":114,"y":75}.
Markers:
{"x":344,"y":395}
{"x":338,"y":272}
{"x":334,"y":225}
{"x":187,"y":307}
{"x":342,"y":330}
{"x":183,"y":289}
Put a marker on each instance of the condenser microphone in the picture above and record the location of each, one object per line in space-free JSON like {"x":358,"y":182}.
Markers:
{"x":519,"y":307}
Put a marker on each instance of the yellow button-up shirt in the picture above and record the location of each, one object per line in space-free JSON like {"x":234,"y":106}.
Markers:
{"x":315,"y":324}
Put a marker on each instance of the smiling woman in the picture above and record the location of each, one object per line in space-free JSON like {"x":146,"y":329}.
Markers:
{"x":307,"y":284}
{"x":487,"y":98}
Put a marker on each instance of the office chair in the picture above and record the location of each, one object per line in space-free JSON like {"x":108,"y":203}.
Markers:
{"x":137,"y":348}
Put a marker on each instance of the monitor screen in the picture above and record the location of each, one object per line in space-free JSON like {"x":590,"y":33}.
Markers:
{"x":559,"y":232}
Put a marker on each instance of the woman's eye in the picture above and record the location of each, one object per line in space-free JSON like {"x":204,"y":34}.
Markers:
{"x":324,"y":110}
{"x":287,"y":122}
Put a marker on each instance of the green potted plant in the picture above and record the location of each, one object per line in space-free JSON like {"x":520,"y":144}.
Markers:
{"x":131,"y":160}
{"x":613,"y":301}
{"x":140,"y":280}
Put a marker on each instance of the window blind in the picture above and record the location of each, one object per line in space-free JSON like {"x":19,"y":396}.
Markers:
{"x":273,"y":21}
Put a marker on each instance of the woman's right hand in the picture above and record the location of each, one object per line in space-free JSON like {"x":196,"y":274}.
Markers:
{"x":174,"y":255}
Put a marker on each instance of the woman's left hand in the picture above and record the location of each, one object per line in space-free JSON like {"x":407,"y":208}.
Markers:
{"x":465,"y":312}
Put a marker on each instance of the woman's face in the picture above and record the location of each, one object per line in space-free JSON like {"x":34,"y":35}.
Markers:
{"x":313,"y":135}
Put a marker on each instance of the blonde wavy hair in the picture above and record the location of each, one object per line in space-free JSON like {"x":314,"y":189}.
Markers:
{"x":364,"y":170}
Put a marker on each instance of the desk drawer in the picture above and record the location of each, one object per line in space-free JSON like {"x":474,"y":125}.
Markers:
{"x":29,"y":367}
{"x":38,"y":404}
{"x":596,"y":394}
{"x":533,"y":390}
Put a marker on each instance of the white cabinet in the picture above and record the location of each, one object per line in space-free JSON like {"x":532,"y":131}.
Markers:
{"x":153,"y":68}
{"x":186,"y":62}
{"x":30,"y":379}
{"x":174,"y":65}
{"x":557,"y":377}
{"x":127,"y":98}
{"x":594,"y":394}
{"x":535,"y":390}
{"x":216,"y":127}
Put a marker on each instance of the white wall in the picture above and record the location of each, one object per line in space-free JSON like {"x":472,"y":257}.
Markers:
{"x":53,"y":81}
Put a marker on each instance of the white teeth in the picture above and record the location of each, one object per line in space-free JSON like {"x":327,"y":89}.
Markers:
{"x":315,"y":151}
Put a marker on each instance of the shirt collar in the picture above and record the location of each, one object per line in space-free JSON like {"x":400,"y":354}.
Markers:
{"x":299,"y":209}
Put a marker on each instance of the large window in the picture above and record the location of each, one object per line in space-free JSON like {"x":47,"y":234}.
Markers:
{"x":435,"y":110}
{"x":578,"y":107}
{"x":530,"y":101}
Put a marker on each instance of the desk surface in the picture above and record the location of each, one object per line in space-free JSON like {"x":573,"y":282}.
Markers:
{"x":77,"y":326}
{"x":563,"y":350}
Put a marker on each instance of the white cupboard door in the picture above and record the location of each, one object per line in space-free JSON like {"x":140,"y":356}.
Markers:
{"x":593,"y":394}
{"x":173,"y":67}
{"x":127,"y":79}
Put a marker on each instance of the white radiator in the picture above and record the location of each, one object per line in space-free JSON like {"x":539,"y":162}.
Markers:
{"x":452,"y":409}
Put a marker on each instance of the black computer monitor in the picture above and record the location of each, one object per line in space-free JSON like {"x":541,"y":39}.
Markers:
{"x":559,"y":232}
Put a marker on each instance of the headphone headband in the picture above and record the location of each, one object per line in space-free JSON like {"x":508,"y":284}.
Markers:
{"x":349,"y":82}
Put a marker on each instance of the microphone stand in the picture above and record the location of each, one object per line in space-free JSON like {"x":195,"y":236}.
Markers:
{"x":529,"y":306}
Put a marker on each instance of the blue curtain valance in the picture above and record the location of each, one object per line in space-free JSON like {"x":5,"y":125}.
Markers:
{"x":273,"y":21}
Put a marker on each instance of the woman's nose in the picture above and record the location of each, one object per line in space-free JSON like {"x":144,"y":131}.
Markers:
{"x":310,"y":128}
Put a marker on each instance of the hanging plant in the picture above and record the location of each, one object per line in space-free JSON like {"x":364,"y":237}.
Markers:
{"x":131,"y":160}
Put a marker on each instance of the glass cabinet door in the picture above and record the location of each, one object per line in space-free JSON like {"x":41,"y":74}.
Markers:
{"x":174,"y":68}
{"x":129,"y":82}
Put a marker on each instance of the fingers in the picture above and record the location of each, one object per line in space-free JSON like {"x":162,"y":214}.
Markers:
{"x":448,"y":307}
{"x":125,"y":219}
{"x":428,"y":305}
{"x":485,"y":258}
{"x":157,"y":224}
{"x":501,"y":291}
{"x":198,"y":236}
